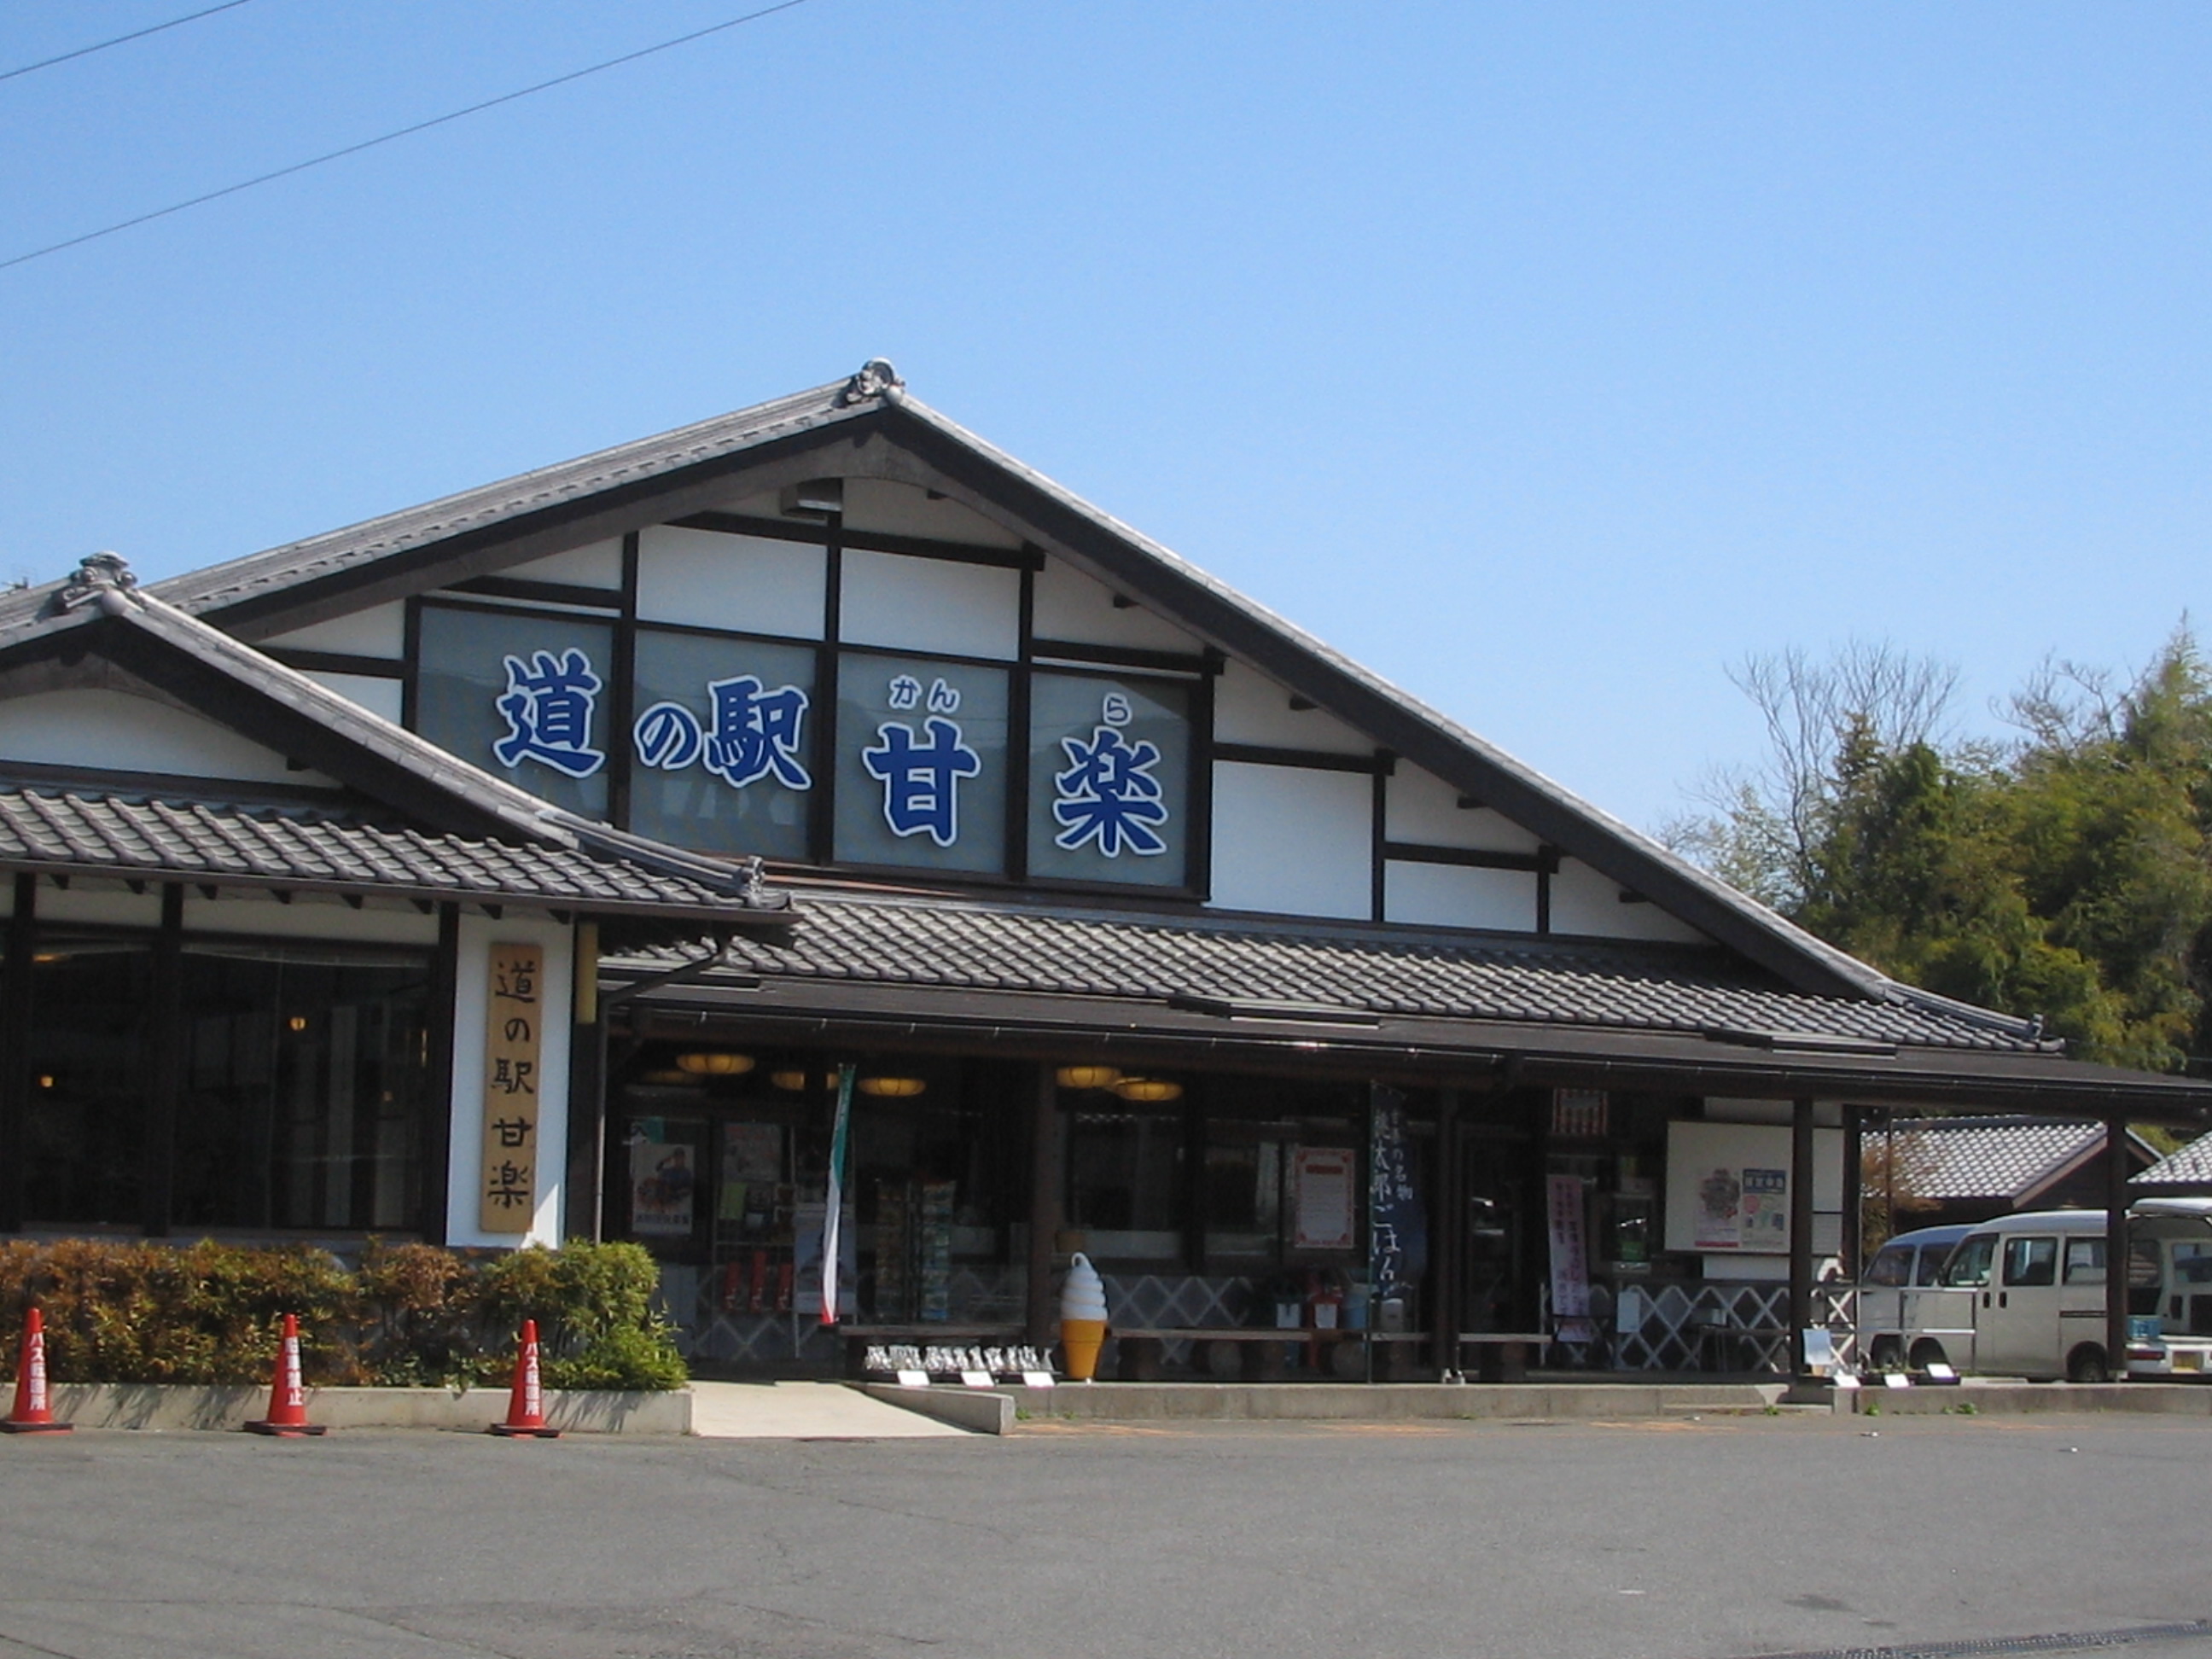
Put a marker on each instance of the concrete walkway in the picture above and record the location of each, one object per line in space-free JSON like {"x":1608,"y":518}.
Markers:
{"x":803,"y":1411}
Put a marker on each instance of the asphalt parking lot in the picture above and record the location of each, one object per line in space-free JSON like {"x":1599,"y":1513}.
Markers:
{"x":1729,"y":1538}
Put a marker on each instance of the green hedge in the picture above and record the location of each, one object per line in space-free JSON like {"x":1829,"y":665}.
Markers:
{"x":139,"y":1312}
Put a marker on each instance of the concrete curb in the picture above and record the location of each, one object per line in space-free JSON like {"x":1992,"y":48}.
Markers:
{"x":2029,"y":1399}
{"x":171,"y":1407}
{"x":981,"y":1411}
{"x":1127,"y":1403}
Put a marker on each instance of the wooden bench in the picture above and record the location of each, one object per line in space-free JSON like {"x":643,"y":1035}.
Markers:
{"x":1262,"y":1351}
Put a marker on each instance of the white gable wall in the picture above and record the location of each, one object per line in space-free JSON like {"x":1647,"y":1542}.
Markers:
{"x":379,"y":631}
{"x":930,"y":606}
{"x":1424,"y":810}
{"x":1456,"y":896}
{"x":113,"y":731}
{"x":1249,"y":707}
{"x":598,"y":565}
{"x":381,"y":696}
{"x":1584,"y":901}
{"x":900,"y":509}
{"x":749,"y":583}
{"x":1071,"y":606}
{"x":1292,"y":839}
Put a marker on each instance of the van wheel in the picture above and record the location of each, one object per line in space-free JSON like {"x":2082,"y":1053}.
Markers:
{"x":1888,"y":1354}
{"x":1928,"y":1352}
{"x":2087,"y":1364}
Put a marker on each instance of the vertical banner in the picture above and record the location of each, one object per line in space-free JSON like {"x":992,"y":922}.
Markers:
{"x":1397,"y":1225}
{"x":512,"y":1030}
{"x":833,"y":1211}
{"x":1570,"y":1298}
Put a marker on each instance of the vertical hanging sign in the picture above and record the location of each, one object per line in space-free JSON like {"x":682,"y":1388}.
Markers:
{"x":513,"y":1004}
{"x":833,"y":1211}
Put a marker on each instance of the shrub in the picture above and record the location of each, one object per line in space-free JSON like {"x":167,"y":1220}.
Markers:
{"x":139,"y":1311}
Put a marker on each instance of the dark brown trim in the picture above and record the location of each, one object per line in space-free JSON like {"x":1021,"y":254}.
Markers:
{"x":622,"y":705}
{"x":165,"y":1066}
{"x":1377,"y":863}
{"x":1548,"y":867}
{"x":2117,"y":1256}
{"x":1119,"y":656}
{"x":1801,"y":1142}
{"x":438,"y":1085}
{"x":871,"y":541}
{"x":822,"y":803}
{"x":336,"y":662}
{"x":1047,"y":1173}
{"x":1311,"y":760}
{"x":1198,"y":869}
{"x":411,"y":677}
{"x":1019,"y":737}
{"x":1473,"y":857}
{"x":540,"y":592}
{"x":15,"y":1026}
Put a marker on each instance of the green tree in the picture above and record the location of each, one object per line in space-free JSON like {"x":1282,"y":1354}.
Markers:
{"x":2067,"y":873}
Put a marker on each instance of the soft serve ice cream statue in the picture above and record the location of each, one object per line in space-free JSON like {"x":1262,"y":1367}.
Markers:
{"x":1082,"y":1319}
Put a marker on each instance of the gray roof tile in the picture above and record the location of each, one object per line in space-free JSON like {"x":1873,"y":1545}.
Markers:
{"x":2003,"y":1157}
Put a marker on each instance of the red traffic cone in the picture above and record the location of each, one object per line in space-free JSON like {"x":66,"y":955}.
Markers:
{"x":288,"y":1400}
{"x":34,"y":1407}
{"x":526,"y":1401}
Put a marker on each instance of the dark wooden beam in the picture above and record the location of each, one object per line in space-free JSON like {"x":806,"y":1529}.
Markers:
{"x":873,"y":541}
{"x":1312,"y":760}
{"x":438,"y":1084}
{"x":165,"y":1066}
{"x":2117,"y":1252}
{"x":539,"y":593}
{"x":1801,"y":1232}
{"x":336,"y":662}
{"x":1047,"y":1173}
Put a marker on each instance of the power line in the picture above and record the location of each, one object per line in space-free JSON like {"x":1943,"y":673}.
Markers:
{"x":136,"y":34}
{"x":400,"y":132}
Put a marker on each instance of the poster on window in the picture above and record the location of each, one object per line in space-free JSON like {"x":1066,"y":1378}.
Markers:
{"x":1324,"y":1219}
{"x":1571,"y":1300}
{"x":663,"y":1184}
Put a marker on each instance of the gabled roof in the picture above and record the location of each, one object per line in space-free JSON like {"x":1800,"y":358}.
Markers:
{"x":2190,"y":1167}
{"x":868,"y":425}
{"x":52,"y":829}
{"x":2014,"y":1158}
{"x":460,"y":813}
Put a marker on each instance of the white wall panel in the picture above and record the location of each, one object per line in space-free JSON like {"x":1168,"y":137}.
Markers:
{"x":749,"y":584}
{"x":1249,"y":707}
{"x":379,"y":631}
{"x":1455,"y":895}
{"x":1424,"y":809}
{"x":1072,"y":606}
{"x":598,"y":565}
{"x":1584,"y":901}
{"x":105,"y":909}
{"x":1292,"y":839}
{"x":930,"y":606}
{"x":116,"y":731}
{"x":464,"y":1173}
{"x":902,"y":510}
{"x":378,"y":696}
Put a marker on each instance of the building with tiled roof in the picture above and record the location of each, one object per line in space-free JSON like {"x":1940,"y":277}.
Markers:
{"x":920,"y":877}
{"x":1971,"y":1169}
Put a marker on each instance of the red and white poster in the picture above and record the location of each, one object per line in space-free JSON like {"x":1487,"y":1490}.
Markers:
{"x":1324,"y":1218}
{"x":1570,"y":1299}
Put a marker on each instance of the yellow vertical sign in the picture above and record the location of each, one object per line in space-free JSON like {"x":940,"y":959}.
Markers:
{"x":513,"y":1023}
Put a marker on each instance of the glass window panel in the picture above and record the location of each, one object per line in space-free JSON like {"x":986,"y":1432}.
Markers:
{"x":303,"y":1090}
{"x":525,"y":697}
{"x":721,"y":741}
{"x":84,"y":1134}
{"x":2085,"y":1261}
{"x":921,"y":763}
{"x":1125,"y":1184}
{"x":1969,"y":1266}
{"x":1109,"y":779}
{"x":2031,"y":1260}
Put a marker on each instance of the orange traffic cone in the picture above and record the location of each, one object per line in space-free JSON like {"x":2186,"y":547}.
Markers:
{"x":288,"y":1400}
{"x":35,"y":1408}
{"x":526,"y":1401}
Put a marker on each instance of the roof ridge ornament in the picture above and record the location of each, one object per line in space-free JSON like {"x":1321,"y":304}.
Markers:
{"x":877,"y":379}
{"x":101,"y":578}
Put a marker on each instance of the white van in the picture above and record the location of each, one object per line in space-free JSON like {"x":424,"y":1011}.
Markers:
{"x":1890,"y":1290}
{"x":2024,"y":1296}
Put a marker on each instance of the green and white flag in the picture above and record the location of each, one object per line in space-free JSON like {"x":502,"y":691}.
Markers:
{"x":840,"y":1133}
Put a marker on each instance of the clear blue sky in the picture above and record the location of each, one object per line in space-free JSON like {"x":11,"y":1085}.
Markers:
{"x":1547,"y":357}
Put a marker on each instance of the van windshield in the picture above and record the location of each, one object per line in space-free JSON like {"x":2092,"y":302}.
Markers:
{"x":1893,"y":1265}
{"x":1969,"y":1266}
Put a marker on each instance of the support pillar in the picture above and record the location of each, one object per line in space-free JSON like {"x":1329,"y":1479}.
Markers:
{"x":1048,"y":1176}
{"x":1448,"y":1243}
{"x":2116,"y":1248}
{"x":164,"y":1067}
{"x":1801,"y":1232}
{"x":1852,"y":1245}
{"x":438,"y":1078}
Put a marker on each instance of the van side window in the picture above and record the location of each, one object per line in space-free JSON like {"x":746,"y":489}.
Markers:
{"x":2146,"y":1275}
{"x":2085,"y":1261}
{"x":2031,"y":1262}
{"x":1969,"y":1266}
{"x":1893,"y":1265}
{"x":1932,"y":1258}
